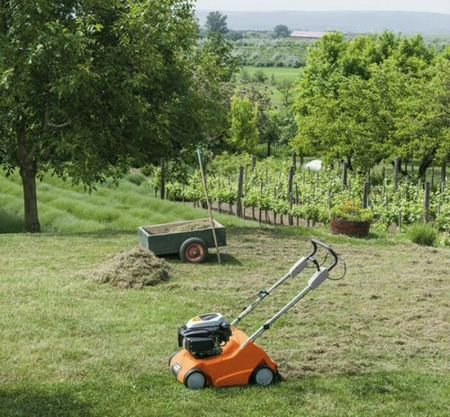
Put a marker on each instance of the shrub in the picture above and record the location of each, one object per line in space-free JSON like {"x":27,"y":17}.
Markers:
{"x":259,"y":77}
{"x":422,"y":233}
{"x":137,"y":179}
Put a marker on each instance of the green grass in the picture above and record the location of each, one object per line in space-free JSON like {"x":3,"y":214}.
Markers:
{"x":279,"y":74}
{"x":65,"y":209}
{"x":373,"y":344}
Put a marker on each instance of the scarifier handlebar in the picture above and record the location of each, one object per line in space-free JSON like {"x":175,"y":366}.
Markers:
{"x":298,"y":267}
{"x":330,"y":250}
{"x":318,"y":278}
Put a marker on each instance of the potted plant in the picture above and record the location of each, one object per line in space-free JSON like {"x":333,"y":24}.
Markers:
{"x":350,"y":219}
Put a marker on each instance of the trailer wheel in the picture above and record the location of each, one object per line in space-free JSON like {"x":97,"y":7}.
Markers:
{"x":193,"y":250}
{"x":263,"y":375}
{"x":195,"y":379}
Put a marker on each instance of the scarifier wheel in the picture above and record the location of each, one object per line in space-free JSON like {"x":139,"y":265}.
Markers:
{"x":263,"y":375}
{"x":195,"y":379}
{"x":193,"y":250}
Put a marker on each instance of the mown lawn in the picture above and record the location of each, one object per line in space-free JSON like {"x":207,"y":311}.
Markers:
{"x":373,"y":344}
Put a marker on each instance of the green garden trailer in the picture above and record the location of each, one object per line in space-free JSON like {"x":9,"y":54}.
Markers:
{"x":190,"y":239}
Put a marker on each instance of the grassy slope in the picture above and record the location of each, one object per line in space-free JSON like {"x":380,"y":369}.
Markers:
{"x":279,"y":74}
{"x":374,"y":344}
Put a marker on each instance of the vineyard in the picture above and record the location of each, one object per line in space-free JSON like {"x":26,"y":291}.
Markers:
{"x":290,"y":193}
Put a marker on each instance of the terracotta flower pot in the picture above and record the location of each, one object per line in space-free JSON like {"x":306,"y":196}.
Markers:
{"x":349,"y":228}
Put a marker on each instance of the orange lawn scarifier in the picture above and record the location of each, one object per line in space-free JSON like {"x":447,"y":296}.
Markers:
{"x":215,"y":353}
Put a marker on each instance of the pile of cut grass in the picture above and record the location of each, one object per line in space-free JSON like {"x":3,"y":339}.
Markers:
{"x":136,"y":268}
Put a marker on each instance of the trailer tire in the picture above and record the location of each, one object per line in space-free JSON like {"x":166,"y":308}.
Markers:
{"x":195,"y":379}
{"x":193,"y":250}
{"x":263,"y":375}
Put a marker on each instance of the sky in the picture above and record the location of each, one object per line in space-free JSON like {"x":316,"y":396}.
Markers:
{"x":435,"y":6}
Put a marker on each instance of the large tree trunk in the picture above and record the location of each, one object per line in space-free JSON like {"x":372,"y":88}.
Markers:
{"x":28,"y":175}
{"x":28,"y":171}
{"x":424,"y":165}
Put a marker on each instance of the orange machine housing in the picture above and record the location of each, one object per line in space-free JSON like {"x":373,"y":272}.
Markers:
{"x":234,"y":366}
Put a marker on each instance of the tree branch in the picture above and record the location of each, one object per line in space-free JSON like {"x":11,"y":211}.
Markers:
{"x":47,"y":122}
{"x":58,"y":126}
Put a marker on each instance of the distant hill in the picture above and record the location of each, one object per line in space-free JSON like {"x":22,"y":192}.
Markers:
{"x":347,"y":22}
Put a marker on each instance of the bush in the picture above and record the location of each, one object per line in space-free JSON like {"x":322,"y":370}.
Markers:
{"x":259,"y":77}
{"x":422,"y":233}
{"x":137,"y":179}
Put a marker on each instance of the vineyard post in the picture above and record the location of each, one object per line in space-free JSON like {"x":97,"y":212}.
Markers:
{"x":245,"y":180}
{"x":396,"y":163}
{"x":239,"y":192}
{"x":344,"y":176}
{"x":426,"y":207}
{"x":444,"y":171}
{"x":253,"y":163}
{"x":274,"y":212}
{"x":162,"y":184}
{"x":290,"y":180}
{"x":366,"y":194}
{"x":219,"y":202}
{"x":432,"y":177}
{"x":259,"y":205}
{"x":399,"y":219}
{"x":294,"y":160}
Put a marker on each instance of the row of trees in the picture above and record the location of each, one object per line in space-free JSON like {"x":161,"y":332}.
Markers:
{"x":374,"y":98}
{"x":89,"y":89}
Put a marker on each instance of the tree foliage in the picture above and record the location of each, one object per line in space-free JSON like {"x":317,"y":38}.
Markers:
{"x":214,"y":67}
{"x":281,"y":31}
{"x":372,"y":98}
{"x":244,"y":125}
{"x":88,"y":87}
{"x":216,"y":22}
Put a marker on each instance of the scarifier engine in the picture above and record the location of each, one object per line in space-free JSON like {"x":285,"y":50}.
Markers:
{"x":203,"y":336}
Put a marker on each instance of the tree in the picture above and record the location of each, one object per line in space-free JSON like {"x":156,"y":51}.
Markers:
{"x":214,"y":67}
{"x":281,"y":31}
{"x":259,"y":97}
{"x":366,"y":100}
{"x":88,"y":87}
{"x":423,"y":125}
{"x":286,"y":88}
{"x":216,"y":22}
{"x":244,"y":125}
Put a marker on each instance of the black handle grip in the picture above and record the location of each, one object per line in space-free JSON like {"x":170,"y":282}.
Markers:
{"x":316,"y":243}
